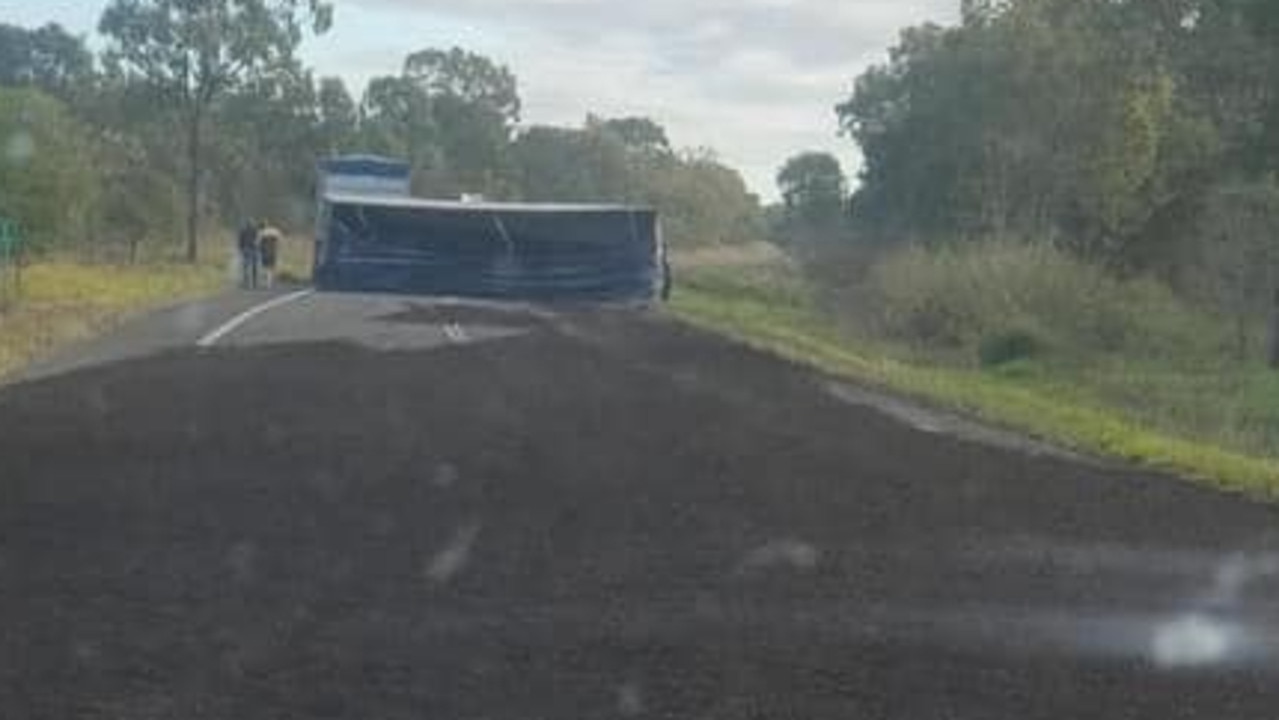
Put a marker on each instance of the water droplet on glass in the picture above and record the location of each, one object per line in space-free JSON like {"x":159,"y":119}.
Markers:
{"x":1194,"y":640}
{"x":449,"y":561}
{"x":19,"y":148}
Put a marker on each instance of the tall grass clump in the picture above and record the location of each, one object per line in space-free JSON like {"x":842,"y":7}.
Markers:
{"x":1003,"y":300}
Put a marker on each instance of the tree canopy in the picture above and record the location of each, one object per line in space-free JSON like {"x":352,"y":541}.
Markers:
{"x":48,"y":58}
{"x":813,"y":187}
{"x":196,"y":116}
{"x":702,"y":201}
{"x":191,"y":53}
{"x":48,"y":179}
{"x":1091,"y":124}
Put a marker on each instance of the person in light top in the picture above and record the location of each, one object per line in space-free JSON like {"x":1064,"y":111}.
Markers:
{"x":268,"y":253}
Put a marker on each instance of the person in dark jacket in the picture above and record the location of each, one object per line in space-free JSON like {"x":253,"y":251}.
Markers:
{"x":247,"y":242}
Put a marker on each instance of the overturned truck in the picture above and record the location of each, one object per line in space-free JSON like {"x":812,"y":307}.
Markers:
{"x":372,"y":236}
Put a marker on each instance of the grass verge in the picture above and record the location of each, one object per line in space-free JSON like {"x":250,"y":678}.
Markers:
{"x":61,"y":302}
{"x":769,"y":309}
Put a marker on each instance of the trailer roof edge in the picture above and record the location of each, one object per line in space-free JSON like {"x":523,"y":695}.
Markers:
{"x":392,"y":201}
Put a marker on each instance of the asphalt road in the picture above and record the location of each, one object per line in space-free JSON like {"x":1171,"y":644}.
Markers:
{"x":376,"y":507}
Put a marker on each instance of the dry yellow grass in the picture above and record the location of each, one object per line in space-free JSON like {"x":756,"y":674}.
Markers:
{"x":60,"y":302}
{"x":295,"y":258}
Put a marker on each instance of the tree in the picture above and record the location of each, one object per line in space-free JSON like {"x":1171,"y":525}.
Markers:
{"x":639,"y":134}
{"x":195,"y":51}
{"x":701,"y":201}
{"x":1058,"y":120}
{"x":452,"y":114}
{"x":49,"y":182}
{"x":474,"y":104}
{"x":338,"y":116}
{"x":395,"y":119}
{"x":48,"y":58}
{"x":471,"y":78}
{"x":572,"y":165}
{"x":978,"y":12}
{"x":813,"y":187}
{"x":264,"y":160}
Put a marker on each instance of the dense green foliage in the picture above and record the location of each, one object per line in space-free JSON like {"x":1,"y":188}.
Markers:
{"x":189,"y":55}
{"x":1129,"y":148}
{"x":46,"y":57}
{"x":47,"y":176}
{"x":197,"y":115}
{"x":1109,"y":128}
{"x":1062,"y":203}
{"x":813,"y":188}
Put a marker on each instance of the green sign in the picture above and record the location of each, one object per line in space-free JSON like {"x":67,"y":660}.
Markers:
{"x":10,"y":243}
{"x":10,"y":238}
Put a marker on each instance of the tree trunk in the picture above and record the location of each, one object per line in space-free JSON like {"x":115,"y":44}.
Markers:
{"x":193,"y":186}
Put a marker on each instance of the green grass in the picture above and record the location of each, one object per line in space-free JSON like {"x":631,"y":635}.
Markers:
{"x":61,"y":302}
{"x":768,"y":308}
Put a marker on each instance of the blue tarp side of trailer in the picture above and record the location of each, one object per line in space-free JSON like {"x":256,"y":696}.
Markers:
{"x":526,"y":252}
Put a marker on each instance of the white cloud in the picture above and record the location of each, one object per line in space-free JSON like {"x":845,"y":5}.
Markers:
{"x":755,"y":79}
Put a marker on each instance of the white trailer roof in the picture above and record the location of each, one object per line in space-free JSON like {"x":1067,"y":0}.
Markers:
{"x":483,"y":206}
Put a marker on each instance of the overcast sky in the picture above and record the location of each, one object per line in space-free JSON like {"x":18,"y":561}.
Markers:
{"x":756,"y":80}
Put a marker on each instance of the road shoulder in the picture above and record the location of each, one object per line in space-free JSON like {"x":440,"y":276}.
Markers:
{"x":146,"y":333}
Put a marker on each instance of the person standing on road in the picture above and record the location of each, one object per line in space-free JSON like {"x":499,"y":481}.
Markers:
{"x":248,"y":247}
{"x":268,"y":253}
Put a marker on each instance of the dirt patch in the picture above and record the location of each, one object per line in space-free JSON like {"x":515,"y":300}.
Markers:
{"x":608,"y":516}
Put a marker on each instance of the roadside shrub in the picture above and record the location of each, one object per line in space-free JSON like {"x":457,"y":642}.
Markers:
{"x":1009,"y":300}
{"x":1006,"y":347}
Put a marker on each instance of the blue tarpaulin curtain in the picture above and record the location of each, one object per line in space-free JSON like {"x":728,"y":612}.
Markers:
{"x":489,"y":250}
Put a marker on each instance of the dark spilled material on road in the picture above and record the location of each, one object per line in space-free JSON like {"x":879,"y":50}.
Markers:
{"x":607,"y":515}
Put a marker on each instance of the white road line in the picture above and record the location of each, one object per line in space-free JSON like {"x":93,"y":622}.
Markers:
{"x":454,"y":332}
{"x":234,"y":323}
